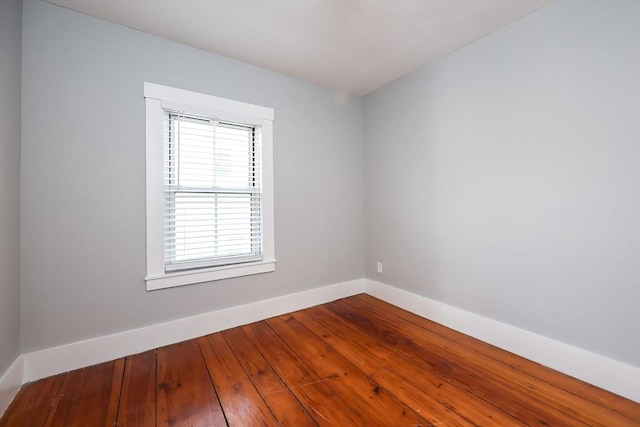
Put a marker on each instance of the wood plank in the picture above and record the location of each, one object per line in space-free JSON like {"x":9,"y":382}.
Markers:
{"x":284,"y":405}
{"x":426,"y":393}
{"x":335,"y":364}
{"x":534,"y":388}
{"x":33,"y":403}
{"x":314,"y":392}
{"x":373,"y":403}
{"x":185,"y":393}
{"x":242,"y":403}
{"x":89,"y":396}
{"x":580,"y":389}
{"x":138,"y":398}
{"x":465,"y":374}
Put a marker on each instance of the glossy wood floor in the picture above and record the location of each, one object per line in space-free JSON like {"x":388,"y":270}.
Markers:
{"x":354,"y":362}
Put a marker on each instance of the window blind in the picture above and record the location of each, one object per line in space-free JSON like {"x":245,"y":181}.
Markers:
{"x":212,"y":188}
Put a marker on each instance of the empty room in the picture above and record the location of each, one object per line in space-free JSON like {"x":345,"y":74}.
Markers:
{"x":319,"y":213}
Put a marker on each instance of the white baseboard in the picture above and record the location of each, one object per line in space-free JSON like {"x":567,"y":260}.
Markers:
{"x":603,"y":372}
{"x":593,"y":368}
{"x":55,"y":360}
{"x":10,"y":383}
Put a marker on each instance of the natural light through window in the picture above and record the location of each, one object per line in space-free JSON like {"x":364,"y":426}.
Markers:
{"x":209,"y":188}
{"x":212,"y":192}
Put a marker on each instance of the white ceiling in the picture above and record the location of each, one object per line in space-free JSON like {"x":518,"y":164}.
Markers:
{"x":354,"y":46}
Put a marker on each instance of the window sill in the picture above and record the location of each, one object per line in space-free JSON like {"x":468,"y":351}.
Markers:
{"x":181,"y":278}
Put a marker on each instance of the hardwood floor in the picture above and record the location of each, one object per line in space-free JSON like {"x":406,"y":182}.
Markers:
{"x":353,"y":362}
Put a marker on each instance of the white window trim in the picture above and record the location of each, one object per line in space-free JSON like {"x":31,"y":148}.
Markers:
{"x":160,"y":97}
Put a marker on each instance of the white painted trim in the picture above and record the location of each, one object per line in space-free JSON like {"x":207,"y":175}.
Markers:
{"x":189,"y":277}
{"x":268,"y":205}
{"x":155,"y":187}
{"x":593,"y":368}
{"x":10,"y":383}
{"x":55,"y":360}
{"x":209,"y":105}
{"x":157,"y":98}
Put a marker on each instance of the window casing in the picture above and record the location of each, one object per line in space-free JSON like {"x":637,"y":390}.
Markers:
{"x":209,"y":188}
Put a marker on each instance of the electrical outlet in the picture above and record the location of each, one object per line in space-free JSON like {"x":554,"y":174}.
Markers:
{"x":379,"y":267}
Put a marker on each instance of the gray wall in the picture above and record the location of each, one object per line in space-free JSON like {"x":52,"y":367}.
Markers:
{"x":83,"y":178}
{"x":10,"y":66}
{"x":505,"y":179}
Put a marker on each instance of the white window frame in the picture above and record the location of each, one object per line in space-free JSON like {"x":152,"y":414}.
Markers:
{"x":158,"y":98}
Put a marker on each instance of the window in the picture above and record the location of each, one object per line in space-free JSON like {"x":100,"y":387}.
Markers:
{"x":209,"y":188}
{"x":212,"y":193}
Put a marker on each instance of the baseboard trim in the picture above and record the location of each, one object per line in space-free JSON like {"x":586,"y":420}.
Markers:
{"x":10,"y":383}
{"x":593,"y":368}
{"x":64,"y":358}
